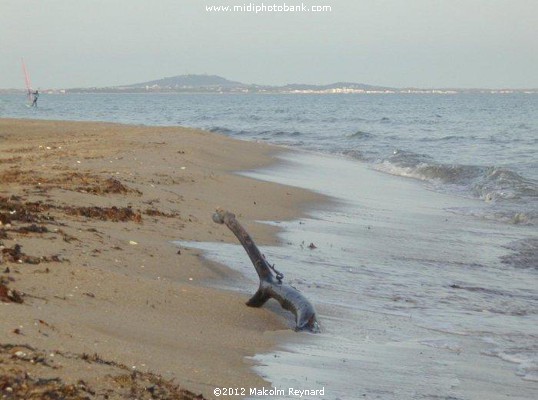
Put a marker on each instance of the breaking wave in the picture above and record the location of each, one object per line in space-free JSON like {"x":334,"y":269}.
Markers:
{"x":524,"y":254}
{"x":448,"y":138}
{"x":225,"y":131}
{"x":494,"y":185}
{"x":360,"y":135}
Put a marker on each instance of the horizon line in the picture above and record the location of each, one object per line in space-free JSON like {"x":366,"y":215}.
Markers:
{"x":277,"y":86}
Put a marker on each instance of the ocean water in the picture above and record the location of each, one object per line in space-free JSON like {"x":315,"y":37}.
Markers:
{"x":425,"y":274}
{"x":475,"y":145}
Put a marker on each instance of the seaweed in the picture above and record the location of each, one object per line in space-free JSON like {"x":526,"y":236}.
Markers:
{"x":73,"y":181}
{"x":32,"y":229}
{"x":21,"y":380}
{"x":18,"y":384}
{"x":8,"y":295}
{"x":143,"y":385}
{"x":13,"y":209}
{"x":15,"y":255}
{"x":115,"y":214}
{"x":108,"y":186}
{"x":152,"y":212}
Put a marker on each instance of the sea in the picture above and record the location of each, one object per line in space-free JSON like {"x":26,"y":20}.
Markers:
{"x":424,"y":266}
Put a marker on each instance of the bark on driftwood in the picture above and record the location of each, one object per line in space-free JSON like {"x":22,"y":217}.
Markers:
{"x":271,"y":286}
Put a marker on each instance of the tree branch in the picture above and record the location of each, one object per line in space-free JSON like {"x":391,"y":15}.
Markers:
{"x":270,"y":286}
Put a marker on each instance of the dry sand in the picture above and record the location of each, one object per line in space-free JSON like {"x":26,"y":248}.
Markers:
{"x":104,"y":297}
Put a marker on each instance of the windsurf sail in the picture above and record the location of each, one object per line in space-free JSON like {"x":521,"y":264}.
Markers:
{"x":29,"y":90}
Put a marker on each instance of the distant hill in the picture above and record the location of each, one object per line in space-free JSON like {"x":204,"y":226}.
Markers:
{"x":213,"y":83}
{"x":188,"y":81}
{"x":217,"y":84}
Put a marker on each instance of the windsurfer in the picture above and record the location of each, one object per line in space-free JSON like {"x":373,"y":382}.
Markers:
{"x":35,"y":96}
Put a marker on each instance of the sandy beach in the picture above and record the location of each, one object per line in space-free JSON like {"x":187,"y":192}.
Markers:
{"x":115,"y":282}
{"x":97,"y":299}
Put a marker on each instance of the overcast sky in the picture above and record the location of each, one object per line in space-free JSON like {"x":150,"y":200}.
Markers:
{"x":421,"y":43}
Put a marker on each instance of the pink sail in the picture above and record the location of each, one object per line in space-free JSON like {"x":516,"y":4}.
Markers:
{"x":27,"y":81}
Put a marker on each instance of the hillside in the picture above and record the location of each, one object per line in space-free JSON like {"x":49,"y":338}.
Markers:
{"x":216,"y":84}
{"x":188,"y":81}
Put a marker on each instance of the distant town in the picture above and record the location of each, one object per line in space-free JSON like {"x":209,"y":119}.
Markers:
{"x":217,"y":84}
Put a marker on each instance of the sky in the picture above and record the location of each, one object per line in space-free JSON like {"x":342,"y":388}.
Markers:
{"x":397,"y":43}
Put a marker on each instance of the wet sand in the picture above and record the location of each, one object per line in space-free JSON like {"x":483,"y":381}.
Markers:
{"x":95,"y":208}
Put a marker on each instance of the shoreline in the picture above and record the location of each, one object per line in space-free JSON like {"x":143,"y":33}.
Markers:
{"x":119,"y":289}
{"x":388,"y":281}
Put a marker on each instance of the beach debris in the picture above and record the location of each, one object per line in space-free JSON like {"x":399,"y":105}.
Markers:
{"x":132,"y":242}
{"x":44,"y":323}
{"x":312,"y":246}
{"x":32,"y":229}
{"x":15,"y":255}
{"x":157,"y":213}
{"x":144,"y":385}
{"x":20,"y":385}
{"x":66,"y":237}
{"x":132,"y":383}
{"x":271,"y":285}
{"x":114,"y":214}
{"x":13,"y":209}
{"x":74,"y":181}
{"x":8,"y":295}
{"x":108,"y":186}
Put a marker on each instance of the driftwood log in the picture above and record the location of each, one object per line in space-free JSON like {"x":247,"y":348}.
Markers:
{"x":271,"y":286}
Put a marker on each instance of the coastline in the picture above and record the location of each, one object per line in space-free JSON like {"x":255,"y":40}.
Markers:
{"x":388,"y":284}
{"x":121,"y":291}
